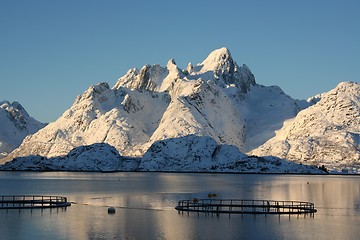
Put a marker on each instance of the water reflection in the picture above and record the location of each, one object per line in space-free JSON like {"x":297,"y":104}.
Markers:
{"x":145,"y":202}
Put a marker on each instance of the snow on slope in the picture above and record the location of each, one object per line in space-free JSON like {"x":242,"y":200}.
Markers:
{"x":15,"y":125}
{"x":119,"y":117}
{"x":204,"y":154}
{"x":266,"y":110}
{"x":326,"y":133}
{"x":95,"y":157}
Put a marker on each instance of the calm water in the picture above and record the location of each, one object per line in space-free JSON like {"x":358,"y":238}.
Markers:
{"x":145,"y":204}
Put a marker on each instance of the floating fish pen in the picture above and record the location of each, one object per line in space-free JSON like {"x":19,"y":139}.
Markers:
{"x":26,"y":201}
{"x":245,"y":206}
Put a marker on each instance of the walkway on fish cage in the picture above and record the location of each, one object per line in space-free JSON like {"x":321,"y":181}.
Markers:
{"x":237,"y":206}
{"x":31,"y":201}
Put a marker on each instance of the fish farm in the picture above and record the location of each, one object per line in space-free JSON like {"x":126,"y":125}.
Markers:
{"x":237,"y":206}
{"x":26,"y":201}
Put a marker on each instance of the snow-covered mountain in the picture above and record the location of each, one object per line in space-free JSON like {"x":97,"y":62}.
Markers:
{"x":327,"y":133}
{"x":216,"y":99}
{"x":15,"y":125}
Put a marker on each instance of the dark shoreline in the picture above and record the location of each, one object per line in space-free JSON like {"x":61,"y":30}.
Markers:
{"x":190,"y":172}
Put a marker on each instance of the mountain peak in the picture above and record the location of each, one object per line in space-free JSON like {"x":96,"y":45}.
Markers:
{"x":4,"y":103}
{"x":217,"y":58}
{"x":14,"y":108}
{"x":171,"y":64}
{"x":97,"y":89}
{"x":15,"y":124}
{"x":226,"y":71}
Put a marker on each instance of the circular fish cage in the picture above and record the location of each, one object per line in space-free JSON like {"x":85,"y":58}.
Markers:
{"x":237,"y":206}
{"x":32,"y":201}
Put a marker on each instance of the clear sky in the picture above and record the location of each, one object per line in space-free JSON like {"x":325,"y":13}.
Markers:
{"x":52,"y":51}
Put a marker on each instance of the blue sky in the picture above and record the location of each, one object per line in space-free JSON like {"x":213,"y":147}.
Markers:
{"x":52,"y":51}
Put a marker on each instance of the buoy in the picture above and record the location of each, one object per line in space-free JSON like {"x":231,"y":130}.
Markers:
{"x":210,"y":195}
{"x":111,"y":210}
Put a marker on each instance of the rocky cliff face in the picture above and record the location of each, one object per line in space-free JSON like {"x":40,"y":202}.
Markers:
{"x":326,"y":133}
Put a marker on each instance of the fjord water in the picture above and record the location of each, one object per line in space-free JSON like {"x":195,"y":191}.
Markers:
{"x":145,"y":202}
